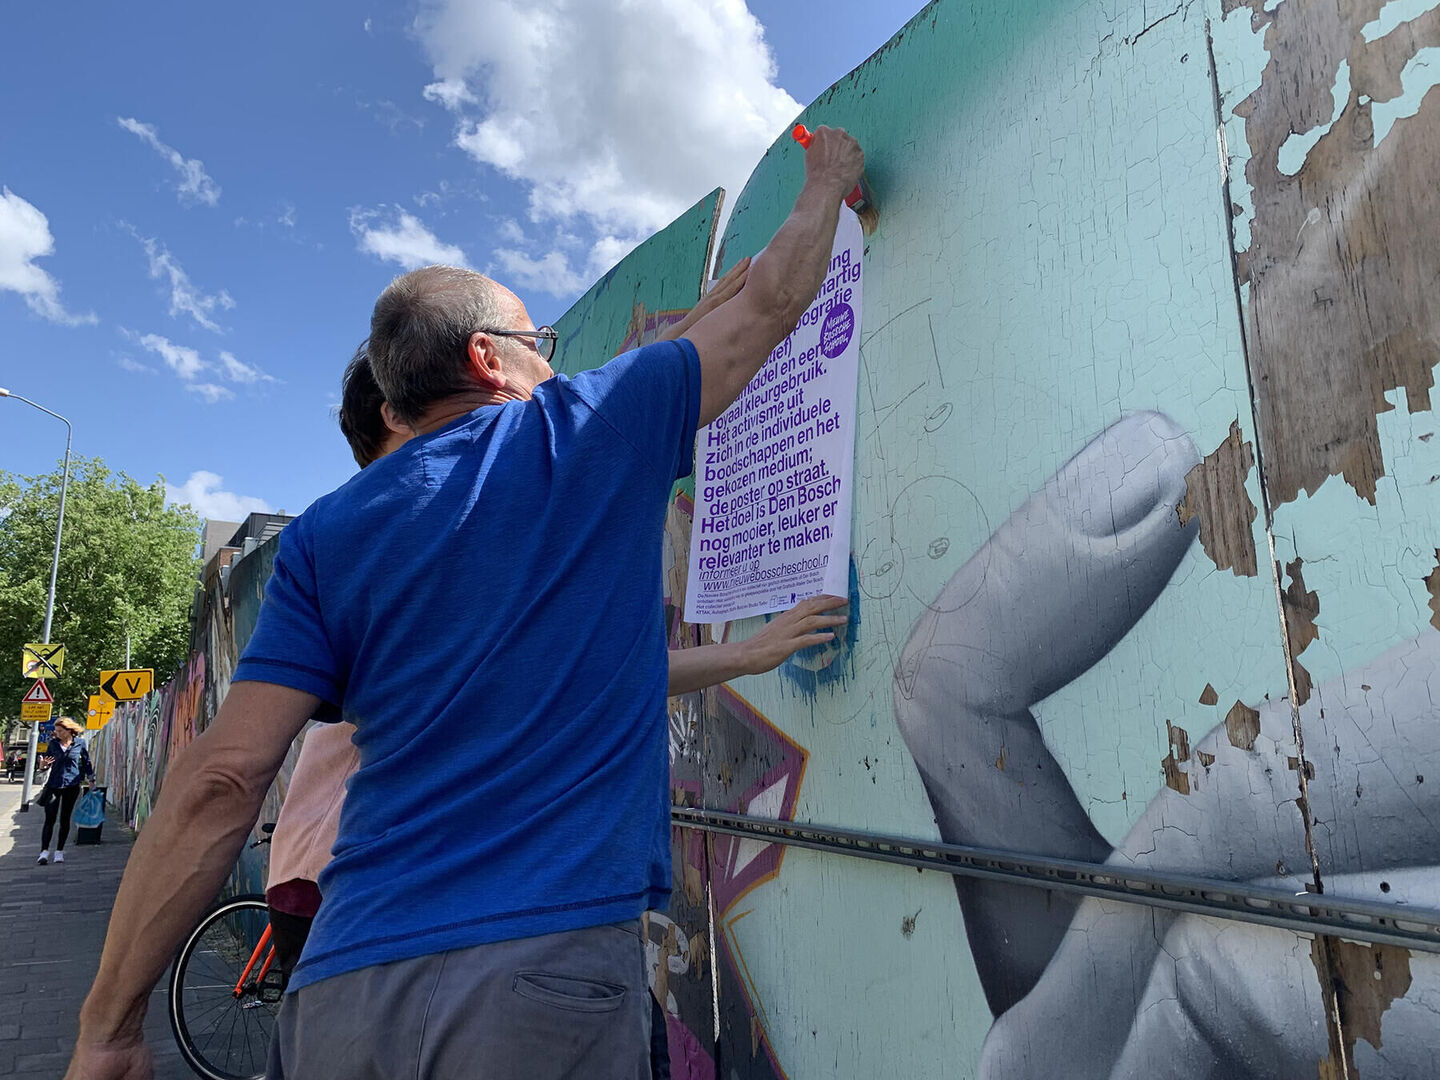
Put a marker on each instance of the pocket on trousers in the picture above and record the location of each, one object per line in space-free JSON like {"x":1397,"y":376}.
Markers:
{"x":568,"y":991}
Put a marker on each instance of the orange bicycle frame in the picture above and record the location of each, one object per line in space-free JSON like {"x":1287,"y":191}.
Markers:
{"x":255,"y":956}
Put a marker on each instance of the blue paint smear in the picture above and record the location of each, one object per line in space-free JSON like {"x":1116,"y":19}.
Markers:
{"x":831,"y":663}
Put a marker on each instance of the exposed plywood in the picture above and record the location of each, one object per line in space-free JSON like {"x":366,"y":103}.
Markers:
{"x":1215,"y":495}
{"x":1344,"y":253}
{"x":1334,"y":155}
{"x":1242,"y":726}
{"x":1300,"y":607}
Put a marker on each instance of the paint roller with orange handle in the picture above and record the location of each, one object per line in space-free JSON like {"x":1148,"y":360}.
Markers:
{"x":860,"y":199}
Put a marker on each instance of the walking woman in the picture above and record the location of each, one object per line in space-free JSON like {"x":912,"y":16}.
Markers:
{"x":69,"y":764}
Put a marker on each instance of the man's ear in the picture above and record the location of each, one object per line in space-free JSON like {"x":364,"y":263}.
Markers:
{"x":394,"y":423}
{"x":485,"y":361}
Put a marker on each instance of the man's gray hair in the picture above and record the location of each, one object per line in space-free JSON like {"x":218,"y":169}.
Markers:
{"x":419,"y":333}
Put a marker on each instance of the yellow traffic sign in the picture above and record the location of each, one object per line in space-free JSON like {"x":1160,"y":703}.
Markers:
{"x":127,"y":685}
{"x":35,"y":712}
{"x":42,"y":661}
{"x":101,"y":711}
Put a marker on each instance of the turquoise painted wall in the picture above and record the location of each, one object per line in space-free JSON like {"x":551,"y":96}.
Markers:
{"x":1056,"y":336}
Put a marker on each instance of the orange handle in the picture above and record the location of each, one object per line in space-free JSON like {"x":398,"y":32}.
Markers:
{"x":856,"y":199}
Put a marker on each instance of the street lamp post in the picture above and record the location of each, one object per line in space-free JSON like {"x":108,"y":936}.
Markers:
{"x":50,"y":599}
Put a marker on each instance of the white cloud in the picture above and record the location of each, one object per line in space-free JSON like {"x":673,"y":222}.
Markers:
{"x":401,"y":237}
{"x":129,"y":363}
{"x":549,"y":92}
{"x":203,"y":494}
{"x":288,"y":217}
{"x":239,"y":372}
{"x":181,"y":359}
{"x":510,"y":232}
{"x":186,"y":363}
{"x":390,"y":116}
{"x":210,"y":393}
{"x":546,"y":273}
{"x":184,"y":297}
{"x":195,"y":184}
{"x":451,"y":93}
{"x":25,"y":237}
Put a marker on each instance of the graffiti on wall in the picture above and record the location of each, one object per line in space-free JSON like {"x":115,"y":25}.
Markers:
{"x":134,"y":751}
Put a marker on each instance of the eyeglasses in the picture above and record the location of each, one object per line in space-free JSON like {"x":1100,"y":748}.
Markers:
{"x":545,"y":338}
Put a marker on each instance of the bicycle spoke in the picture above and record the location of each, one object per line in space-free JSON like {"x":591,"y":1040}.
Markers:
{"x":203,"y":989}
{"x":195,"y":1023}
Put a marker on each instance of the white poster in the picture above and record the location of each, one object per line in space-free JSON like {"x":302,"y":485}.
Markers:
{"x":773,"y":472}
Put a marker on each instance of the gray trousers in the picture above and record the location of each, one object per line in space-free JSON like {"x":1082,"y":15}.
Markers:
{"x":573,"y":1004}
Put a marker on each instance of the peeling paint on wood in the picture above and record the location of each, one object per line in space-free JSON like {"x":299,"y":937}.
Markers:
{"x":1432,"y":585}
{"x":1340,"y":312}
{"x":694,"y":885}
{"x":1300,"y":609}
{"x":1179,"y":740}
{"x":1175,"y":779}
{"x":1215,"y":493}
{"x":699,"y":954}
{"x":1242,"y":725}
{"x":1208,"y":696}
{"x":669,"y":949}
{"x":1367,"y":980}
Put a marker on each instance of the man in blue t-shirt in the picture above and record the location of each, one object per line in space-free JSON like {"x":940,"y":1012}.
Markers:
{"x":484,"y":605}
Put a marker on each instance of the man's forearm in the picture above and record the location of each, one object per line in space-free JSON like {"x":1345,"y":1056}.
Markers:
{"x":734,"y":341}
{"x":184,"y":854}
{"x":792,"y":267}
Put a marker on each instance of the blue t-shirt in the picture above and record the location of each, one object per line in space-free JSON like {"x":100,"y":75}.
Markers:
{"x":484,"y":604}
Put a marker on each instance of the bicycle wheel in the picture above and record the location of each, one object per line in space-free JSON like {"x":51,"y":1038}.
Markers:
{"x":220,"y":1013}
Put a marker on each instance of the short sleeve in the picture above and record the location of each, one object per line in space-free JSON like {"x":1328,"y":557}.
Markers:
{"x":651,"y":397}
{"x":289,"y":646}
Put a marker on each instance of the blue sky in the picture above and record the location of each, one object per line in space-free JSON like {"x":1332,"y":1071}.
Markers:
{"x":199,"y":204}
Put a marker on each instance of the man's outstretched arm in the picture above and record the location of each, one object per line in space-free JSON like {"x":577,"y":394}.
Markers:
{"x":212,"y":795}
{"x":734,"y":340}
{"x":810,"y":622}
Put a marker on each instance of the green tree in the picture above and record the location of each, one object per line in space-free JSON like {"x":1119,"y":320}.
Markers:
{"x":128,"y":565}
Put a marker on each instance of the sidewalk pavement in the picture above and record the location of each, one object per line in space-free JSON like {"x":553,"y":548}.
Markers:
{"x":52,"y":925}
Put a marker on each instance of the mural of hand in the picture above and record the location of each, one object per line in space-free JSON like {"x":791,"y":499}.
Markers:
{"x":1106,"y":990}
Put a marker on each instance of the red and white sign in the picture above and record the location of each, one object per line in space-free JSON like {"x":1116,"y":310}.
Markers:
{"x":39,"y":694}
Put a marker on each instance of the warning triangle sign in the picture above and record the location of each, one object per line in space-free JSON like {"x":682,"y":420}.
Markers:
{"x":39,"y":694}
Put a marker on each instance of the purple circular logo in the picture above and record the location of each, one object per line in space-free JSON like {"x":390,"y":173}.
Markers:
{"x":835,"y":331}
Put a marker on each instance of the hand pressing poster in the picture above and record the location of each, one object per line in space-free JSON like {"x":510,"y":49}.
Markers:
{"x":773,"y":472}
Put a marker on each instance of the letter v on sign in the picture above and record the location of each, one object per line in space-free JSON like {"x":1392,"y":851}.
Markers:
{"x":131,"y":685}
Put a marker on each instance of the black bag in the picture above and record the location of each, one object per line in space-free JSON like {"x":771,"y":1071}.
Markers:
{"x":45,"y":798}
